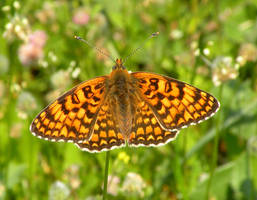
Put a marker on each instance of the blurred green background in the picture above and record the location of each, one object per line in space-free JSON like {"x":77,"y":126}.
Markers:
{"x":210,"y":44}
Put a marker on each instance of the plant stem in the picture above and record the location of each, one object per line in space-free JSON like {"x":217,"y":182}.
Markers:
{"x":107,"y":158}
{"x":184,"y":164}
{"x":215,"y":151}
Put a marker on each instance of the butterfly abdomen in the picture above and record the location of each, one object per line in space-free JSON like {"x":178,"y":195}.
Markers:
{"x":122,"y":101}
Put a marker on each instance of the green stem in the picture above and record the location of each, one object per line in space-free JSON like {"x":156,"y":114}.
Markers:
{"x":107,"y":158}
{"x":215,"y":151}
{"x":184,"y":151}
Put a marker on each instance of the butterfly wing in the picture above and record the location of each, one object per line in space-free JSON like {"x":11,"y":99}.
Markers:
{"x":174,"y":103}
{"x":72,"y":116}
{"x":106,"y":134}
{"x":146,"y":130}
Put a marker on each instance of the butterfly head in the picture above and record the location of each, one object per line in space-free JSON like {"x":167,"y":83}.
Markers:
{"x":118,"y":65}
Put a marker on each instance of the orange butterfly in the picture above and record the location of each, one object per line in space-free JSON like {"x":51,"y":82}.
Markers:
{"x":140,"y":108}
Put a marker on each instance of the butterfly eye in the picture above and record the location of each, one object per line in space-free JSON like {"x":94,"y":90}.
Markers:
{"x":114,"y":67}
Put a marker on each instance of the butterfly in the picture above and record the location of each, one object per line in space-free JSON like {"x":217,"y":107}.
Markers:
{"x":138,"y":109}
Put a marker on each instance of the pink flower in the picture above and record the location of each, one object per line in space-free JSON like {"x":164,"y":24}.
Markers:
{"x":80,"y":17}
{"x":38,"y":38}
{"x":32,"y":51}
{"x":113,"y":185}
{"x":28,"y":53}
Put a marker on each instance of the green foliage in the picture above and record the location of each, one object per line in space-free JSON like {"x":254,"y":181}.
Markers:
{"x":210,"y":44}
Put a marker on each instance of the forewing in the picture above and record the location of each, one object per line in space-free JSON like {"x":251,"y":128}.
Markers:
{"x":72,"y":116}
{"x":146,"y":131}
{"x":106,"y":134}
{"x":175,"y":104}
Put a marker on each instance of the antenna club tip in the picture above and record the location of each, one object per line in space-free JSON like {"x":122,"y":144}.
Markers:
{"x":155,"y":34}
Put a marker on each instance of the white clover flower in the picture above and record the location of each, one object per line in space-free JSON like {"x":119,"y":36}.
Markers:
{"x":16,"y":5}
{"x":26,"y":104}
{"x":52,"y":56}
{"x":60,"y":79}
{"x":248,"y":52}
{"x":43,"y":63}
{"x":210,"y":43}
{"x":6,"y":8}
{"x":58,"y":191}
{"x":75,"y":72}
{"x":194,"y":45}
{"x":197,"y":52}
{"x":8,"y":26}
{"x":223,"y":70}
{"x":176,"y":34}
{"x":206,"y":51}
{"x":133,"y":185}
{"x":240,"y":60}
{"x":72,"y":63}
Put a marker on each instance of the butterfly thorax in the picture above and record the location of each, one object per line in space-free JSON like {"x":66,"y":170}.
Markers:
{"x":122,"y":99}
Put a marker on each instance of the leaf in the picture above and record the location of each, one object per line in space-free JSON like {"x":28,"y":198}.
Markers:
{"x":219,"y":187}
{"x":227,"y":123}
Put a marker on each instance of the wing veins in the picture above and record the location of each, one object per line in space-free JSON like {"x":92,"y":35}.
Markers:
{"x":156,"y":114}
{"x":91,"y":131}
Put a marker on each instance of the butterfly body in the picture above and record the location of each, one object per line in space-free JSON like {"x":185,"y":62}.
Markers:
{"x":122,"y":99}
{"x":140,"y":109}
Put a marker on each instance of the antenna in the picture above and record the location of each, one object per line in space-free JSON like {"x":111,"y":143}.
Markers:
{"x":206,"y":61}
{"x":141,"y":46}
{"x":94,"y":47}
